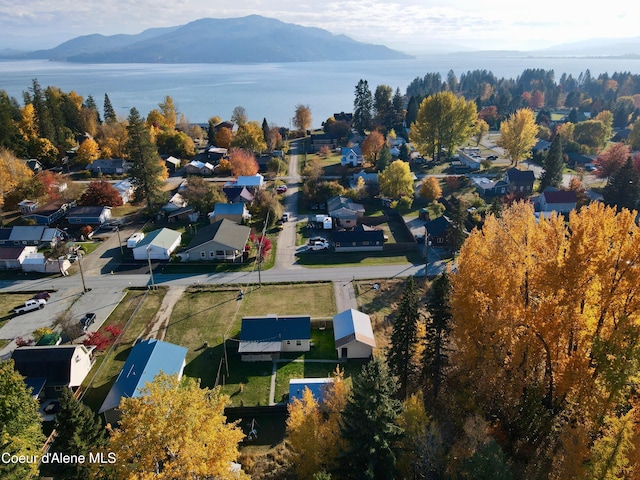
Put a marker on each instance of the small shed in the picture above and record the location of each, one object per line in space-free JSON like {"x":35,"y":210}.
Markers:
{"x":353,"y":334}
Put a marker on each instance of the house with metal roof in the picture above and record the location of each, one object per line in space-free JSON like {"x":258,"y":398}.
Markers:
{"x":561,"y":201}
{"x":196,"y":167}
{"x":146,"y":360}
{"x":157,"y":245}
{"x":88,"y":215}
{"x":352,"y":157}
{"x":344,"y":211}
{"x":223,"y":240}
{"x":360,"y":239}
{"x":520,"y":181}
{"x":251,"y":182}
{"x":12,"y":258}
{"x":50,"y":212}
{"x":38,"y":235}
{"x":236,"y":212}
{"x":353,"y":334}
{"x":126,"y":190}
{"x":265,"y":338}
{"x":237,"y":194}
{"x":109,"y":166}
{"x":54,"y":367}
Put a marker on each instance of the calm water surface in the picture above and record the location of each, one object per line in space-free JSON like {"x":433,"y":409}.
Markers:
{"x":271,"y":90}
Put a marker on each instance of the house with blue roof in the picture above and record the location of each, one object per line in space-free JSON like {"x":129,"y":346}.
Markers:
{"x":146,"y":360}
{"x":265,"y":338}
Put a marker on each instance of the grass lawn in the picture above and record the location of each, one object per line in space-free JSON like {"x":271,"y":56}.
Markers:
{"x":356,"y":259}
{"x":140,"y":306}
{"x":9,"y":301}
{"x":87,"y":247}
{"x":206,"y":314}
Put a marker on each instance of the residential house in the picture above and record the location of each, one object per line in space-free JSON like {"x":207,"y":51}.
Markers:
{"x":184,"y":214}
{"x":11,"y":258}
{"x":172,"y":163}
{"x":353,"y":334}
{"x":145,"y":361}
{"x":34,"y":165}
{"x":317,"y":387}
{"x":520,"y":181}
{"x":126,"y":189}
{"x":238,"y":194}
{"x":38,"y":235}
{"x":88,"y":215}
{"x":196,"y":167}
{"x":27,"y":206}
{"x":109,"y":166}
{"x":222,"y":240}
{"x":265,"y":338}
{"x":319,"y":140}
{"x":224,"y":124}
{"x":215,"y":154}
{"x":560,"y":201}
{"x":344,"y":117}
{"x":352,"y":157}
{"x":157,"y":245}
{"x":37,"y":262}
{"x":176,"y":202}
{"x":236,"y":212}
{"x":438,"y":231}
{"x":470,"y":158}
{"x":488,"y":187}
{"x":54,"y":367}
{"x":368,"y":178}
{"x":50,"y":212}
{"x":360,"y":239}
{"x":344,"y":211}
{"x":252,"y":183}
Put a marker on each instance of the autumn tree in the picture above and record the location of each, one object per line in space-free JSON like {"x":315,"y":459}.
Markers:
{"x":249,"y":137}
{"x":544,"y":339}
{"x":13,"y":172}
{"x":403,"y":339}
{"x":243,"y":162}
{"x":175,"y":143}
{"x":223,"y":137}
{"x":202,"y":195}
{"x":266,"y":208}
{"x":362,"y":107}
{"x":112,"y":139}
{"x":101,"y":193}
{"x":580,"y":190}
{"x":372,"y":146}
{"x":78,"y":432}
{"x":518,"y":135}
{"x":169,"y":112}
{"x":87,"y":152}
{"x":239,"y":116}
{"x":148,"y":173}
{"x":175,"y":429}
{"x":20,"y":428}
{"x":444,"y":122}
{"x":369,"y":425}
{"x":482,"y":128}
{"x":302,"y":117}
{"x":396,"y":180}
{"x":437,"y":338}
{"x":553,"y":165}
{"x":623,"y":188}
{"x":634,"y":135}
{"x":611,"y":159}
{"x":430,"y":189}
{"x":590,"y":134}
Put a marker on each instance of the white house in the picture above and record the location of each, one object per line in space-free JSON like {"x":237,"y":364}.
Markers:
{"x":352,"y":157}
{"x":353,"y":334}
{"x":157,"y":245}
{"x":264,"y":338}
{"x":12,"y":258}
{"x":125,"y":188}
{"x":561,"y":201}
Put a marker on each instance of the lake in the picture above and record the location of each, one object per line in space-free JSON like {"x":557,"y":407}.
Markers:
{"x":271,"y":90}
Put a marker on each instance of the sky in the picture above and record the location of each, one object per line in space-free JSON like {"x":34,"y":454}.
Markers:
{"x":411,"y":26}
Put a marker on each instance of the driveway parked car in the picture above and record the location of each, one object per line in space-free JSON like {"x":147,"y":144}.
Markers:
{"x":87,"y":320}
{"x":42,"y":296}
{"x":318,"y":245}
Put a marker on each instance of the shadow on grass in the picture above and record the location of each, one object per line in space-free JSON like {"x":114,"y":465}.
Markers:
{"x":354,"y":258}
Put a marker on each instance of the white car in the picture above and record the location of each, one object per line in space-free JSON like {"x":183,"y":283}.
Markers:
{"x":318,"y":245}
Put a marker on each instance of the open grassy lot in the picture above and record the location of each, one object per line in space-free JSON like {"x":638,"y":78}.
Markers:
{"x":138,"y":308}
{"x":209,"y":313}
{"x":9,"y":301}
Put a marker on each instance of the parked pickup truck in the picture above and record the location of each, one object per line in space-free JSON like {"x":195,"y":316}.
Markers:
{"x":30,"y":305}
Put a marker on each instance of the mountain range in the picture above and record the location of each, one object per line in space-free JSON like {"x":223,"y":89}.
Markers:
{"x":251,"y":39}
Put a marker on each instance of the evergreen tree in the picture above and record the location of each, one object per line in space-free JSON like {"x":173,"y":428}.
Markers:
{"x":368,"y":425}
{"x":553,"y":165}
{"x":108,"y":112}
{"x":20,"y":428}
{"x":147,"y":171}
{"x":384,"y":159}
{"x":43,"y":120}
{"x":91,"y":104}
{"x":79,"y":431}
{"x":398,"y":108}
{"x":362,"y":106}
{"x":458,"y":215}
{"x":623,"y":188}
{"x":438,"y":329}
{"x":412,"y":110}
{"x":265,"y":131}
{"x":403,"y":337}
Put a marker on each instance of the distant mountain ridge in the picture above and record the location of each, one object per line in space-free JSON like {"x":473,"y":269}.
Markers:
{"x":251,"y":39}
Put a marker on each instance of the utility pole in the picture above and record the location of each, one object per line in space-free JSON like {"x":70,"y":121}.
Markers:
{"x":119,"y":241}
{"x":153,"y":284}
{"x":84,"y":286}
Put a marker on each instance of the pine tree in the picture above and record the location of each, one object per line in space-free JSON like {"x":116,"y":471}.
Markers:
{"x":108,"y":112}
{"x":438,"y":329}
{"x":362,"y":106}
{"x":79,"y":432}
{"x":43,"y":119}
{"x":147,"y":171}
{"x":368,"y":425}
{"x":623,"y":188}
{"x":403,"y":337}
{"x":91,"y":104}
{"x":553,"y":165}
{"x":20,"y":428}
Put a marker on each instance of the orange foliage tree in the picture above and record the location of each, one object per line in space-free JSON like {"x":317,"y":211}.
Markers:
{"x":242,"y":162}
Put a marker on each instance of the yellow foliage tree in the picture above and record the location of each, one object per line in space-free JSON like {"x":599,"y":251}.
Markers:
{"x":396,"y":180}
{"x":88,"y":151}
{"x":27,"y":124}
{"x":175,"y":430}
{"x":550,"y":331}
{"x":430,"y":189}
{"x":12,"y":173}
{"x":518,"y":135}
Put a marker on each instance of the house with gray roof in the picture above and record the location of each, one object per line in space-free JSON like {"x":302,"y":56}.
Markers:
{"x":38,"y":235}
{"x":344,"y":211}
{"x":88,"y":215}
{"x":146,"y":360}
{"x":265,"y":338}
{"x":519,"y":181}
{"x":353,"y":334}
{"x":223,"y":240}
{"x":352,"y":157}
{"x":157,"y":245}
{"x":50,"y":212}
{"x":236,"y":212}
{"x":109,"y":166}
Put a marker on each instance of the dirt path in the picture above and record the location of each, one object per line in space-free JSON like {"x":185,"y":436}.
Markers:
{"x":158,"y":327}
